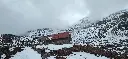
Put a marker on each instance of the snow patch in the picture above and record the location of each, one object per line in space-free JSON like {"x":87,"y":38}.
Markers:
{"x":27,"y":53}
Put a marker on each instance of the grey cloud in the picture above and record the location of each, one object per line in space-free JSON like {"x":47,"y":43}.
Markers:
{"x":18,"y":16}
{"x":102,"y":8}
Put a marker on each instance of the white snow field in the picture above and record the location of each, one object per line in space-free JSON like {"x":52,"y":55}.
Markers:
{"x":27,"y":53}
{"x":81,"y":55}
{"x":54,"y":47}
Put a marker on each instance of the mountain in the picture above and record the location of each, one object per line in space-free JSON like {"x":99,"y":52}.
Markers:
{"x":109,"y":33}
{"x":81,"y":24}
{"x":34,"y":34}
{"x":112,"y":29}
{"x":114,"y":26}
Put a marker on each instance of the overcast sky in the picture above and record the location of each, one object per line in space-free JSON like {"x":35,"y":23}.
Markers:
{"x":19,"y":16}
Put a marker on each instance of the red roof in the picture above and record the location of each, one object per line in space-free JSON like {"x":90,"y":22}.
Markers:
{"x":60,"y":35}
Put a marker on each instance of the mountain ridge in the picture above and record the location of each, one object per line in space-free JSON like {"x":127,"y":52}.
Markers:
{"x":85,"y":30}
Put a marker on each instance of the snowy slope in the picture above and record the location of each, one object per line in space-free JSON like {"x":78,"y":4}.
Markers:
{"x":75,"y":55}
{"x":81,"y":55}
{"x":27,"y":53}
{"x":81,"y":24}
{"x":111,"y":28}
{"x":54,"y":47}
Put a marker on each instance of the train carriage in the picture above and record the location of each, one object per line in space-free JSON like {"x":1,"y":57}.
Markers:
{"x":60,"y":38}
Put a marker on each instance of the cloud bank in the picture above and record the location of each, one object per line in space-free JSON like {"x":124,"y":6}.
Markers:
{"x":102,"y":8}
{"x":18,"y":16}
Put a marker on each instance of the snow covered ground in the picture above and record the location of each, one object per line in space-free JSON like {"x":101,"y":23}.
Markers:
{"x":81,"y":55}
{"x":29,"y":53}
{"x":54,"y":47}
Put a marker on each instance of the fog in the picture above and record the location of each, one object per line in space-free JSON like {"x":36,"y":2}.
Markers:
{"x":19,"y":16}
{"x":102,"y":8}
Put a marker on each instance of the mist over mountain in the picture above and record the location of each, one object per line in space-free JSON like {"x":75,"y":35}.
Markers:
{"x":20,"y":16}
{"x":100,"y":26}
{"x":113,"y":25}
{"x":109,"y":33}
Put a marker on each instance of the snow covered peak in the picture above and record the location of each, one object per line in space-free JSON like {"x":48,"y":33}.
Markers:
{"x":86,"y":31}
{"x":113,"y":26}
{"x":83,"y":23}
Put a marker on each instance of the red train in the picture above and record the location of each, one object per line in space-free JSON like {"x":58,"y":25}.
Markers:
{"x":61,"y":35}
{"x":60,"y":38}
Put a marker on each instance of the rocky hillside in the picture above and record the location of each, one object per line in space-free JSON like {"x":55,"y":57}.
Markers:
{"x":112,"y":28}
{"x":109,"y":34}
{"x":82,"y":24}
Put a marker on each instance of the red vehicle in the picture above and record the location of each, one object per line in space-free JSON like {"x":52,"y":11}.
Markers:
{"x":61,"y":35}
{"x":60,"y":38}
